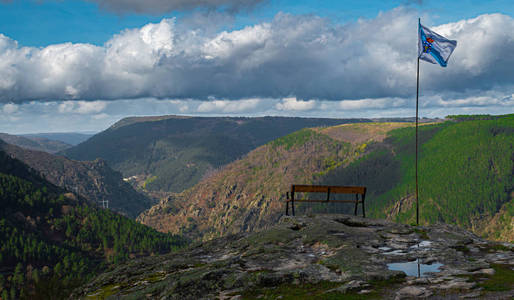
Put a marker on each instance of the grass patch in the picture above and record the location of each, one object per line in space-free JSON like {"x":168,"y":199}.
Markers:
{"x":461,"y":248}
{"x":156,"y":277}
{"x":149,"y":181}
{"x":297,"y":138}
{"x":104,"y":292}
{"x":422,"y":233}
{"x":301,"y":292}
{"x":499,"y":247}
{"x":321,"y":291}
{"x":502,"y":280}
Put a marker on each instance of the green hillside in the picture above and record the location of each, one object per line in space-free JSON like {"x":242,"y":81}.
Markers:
{"x":466,"y":169}
{"x":246,"y":195}
{"x":70,"y":138}
{"x":34,"y":143}
{"x":465,"y":174}
{"x":52,"y":241}
{"x":93,"y":180}
{"x":171,"y":153}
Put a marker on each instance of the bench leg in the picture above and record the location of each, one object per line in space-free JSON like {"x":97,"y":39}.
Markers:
{"x":292,"y":206}
{"x":363,"y":212}
{"x":356,"y":203}
{"x":287,"y":208}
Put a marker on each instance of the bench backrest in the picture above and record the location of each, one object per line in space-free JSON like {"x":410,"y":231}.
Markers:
{"x":303,"y":188}
{"x":327,"y":189}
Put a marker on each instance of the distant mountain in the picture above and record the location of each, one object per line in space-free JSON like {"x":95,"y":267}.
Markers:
{"x":53,"y":240}
{"x":247,"y":195}
{"x":172,"y":153}
{"x":35,"y":143}
{"x":93,"y":180}
{"x":70,"y":138}
{"x":466,"y":178}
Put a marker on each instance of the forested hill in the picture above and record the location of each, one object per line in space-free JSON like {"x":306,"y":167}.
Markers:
{"x":69,"y":138}
{"x":466,"y":172}
{"x":52,"y":241}
{"x":93,"y":180}
{"x":466,"y":178}
{"x":34,"y":143}
{"x":171,"y":153}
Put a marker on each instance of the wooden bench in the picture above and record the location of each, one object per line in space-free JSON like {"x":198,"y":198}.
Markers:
{"x":328,"y":190}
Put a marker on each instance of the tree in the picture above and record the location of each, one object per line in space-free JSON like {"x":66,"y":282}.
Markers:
{"x":18,"y":277}
{"x":35,"y":275}
{"x":13,"y":293}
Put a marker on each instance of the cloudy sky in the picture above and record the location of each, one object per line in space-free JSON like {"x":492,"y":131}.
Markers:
{"x":82,"y":65}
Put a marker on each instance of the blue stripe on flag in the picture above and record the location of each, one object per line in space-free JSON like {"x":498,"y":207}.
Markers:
{"x":438,"y":57}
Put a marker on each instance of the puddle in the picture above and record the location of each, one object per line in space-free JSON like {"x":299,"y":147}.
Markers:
{"x":395,"y":252}
{"x":422,"y":244}
{"x":414,"y":268}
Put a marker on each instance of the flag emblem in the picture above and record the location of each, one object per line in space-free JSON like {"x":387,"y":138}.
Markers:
{"x":433,"y":47}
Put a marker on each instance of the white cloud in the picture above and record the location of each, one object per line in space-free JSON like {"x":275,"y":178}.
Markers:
{"x":474,"y":101}
{"x":227,"y":106}
{"x":292,"y":103}
{"x":362,"y":104}
{"x":181,"y":104}
{"x":10,"y":108}
{"x":100,"y":116}
{"x":302,"y":57}
{"x":46,"y":116}
{"x":82,"y":107}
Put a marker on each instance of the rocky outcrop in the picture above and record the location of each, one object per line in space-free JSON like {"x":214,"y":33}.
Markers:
{"x":321,"y":256}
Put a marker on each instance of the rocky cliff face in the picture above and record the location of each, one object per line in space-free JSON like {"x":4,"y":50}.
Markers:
{"x":93,"y":180}
{"x":321,"y":257}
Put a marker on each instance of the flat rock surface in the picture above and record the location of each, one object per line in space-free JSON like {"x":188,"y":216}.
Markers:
{"x":316,"y":257}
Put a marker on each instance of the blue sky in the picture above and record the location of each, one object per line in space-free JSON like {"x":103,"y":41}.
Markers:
{"x":42,"y":23}
{"x":83,"y":65}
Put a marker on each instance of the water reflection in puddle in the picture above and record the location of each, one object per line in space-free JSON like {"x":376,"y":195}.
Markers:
{"x":422,"y":244}
{"x":414,"y":268}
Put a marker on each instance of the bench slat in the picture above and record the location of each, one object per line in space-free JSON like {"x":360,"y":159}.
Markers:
{"x":301,"y":188}
{"x":325,"y":201}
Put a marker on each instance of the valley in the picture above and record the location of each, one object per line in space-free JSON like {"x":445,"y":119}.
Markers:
{"x":59,"y":236}
{"x":169,"y":154}
{"x":93,"y":180}
{"x":247,"y":195}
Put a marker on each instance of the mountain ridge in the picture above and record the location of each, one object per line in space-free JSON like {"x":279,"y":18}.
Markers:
{"x":35,"y":143}
{"x":172,"y":153}
{"x":93,"y":180}
{"x":246,"y":194}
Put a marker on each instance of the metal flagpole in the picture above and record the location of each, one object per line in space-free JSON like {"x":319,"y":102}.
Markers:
{"x":417,"y":97}
{"x":417,"y":199}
